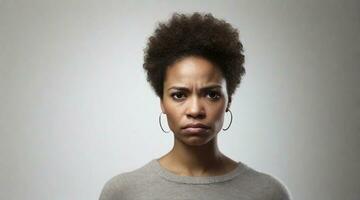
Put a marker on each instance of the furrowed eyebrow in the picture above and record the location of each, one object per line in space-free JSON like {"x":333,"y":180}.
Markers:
{"x":202,"y":89}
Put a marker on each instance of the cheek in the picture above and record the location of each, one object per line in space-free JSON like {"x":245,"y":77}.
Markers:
{"x":217,"y":116}
{"x":173,"y":117}
{"x":219,"y":120}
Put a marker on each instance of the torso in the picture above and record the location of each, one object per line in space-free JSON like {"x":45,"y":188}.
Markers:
{"x":225,"y":167}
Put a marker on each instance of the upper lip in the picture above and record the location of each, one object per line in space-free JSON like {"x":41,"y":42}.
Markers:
{"x":196,"y":125}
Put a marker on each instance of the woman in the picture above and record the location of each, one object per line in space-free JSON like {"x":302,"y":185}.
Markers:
{"x":194,"y":64}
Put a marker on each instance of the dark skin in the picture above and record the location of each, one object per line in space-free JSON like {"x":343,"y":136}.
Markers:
{"x":202,"y":98}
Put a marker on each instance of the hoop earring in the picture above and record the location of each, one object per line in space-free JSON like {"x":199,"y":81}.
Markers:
{"x":161,"y":125}
{"x":225,"y":129}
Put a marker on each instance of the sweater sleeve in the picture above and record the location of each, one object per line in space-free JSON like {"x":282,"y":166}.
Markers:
{"x":279,"y":190}
{"x":114,"y":189}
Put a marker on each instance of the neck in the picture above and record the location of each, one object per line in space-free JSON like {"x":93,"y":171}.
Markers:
{"x":194,"y":160}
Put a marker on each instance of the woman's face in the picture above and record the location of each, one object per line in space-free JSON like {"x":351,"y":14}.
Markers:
{"x":194,"y":95}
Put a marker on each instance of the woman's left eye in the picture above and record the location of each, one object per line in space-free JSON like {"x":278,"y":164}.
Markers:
{"x":213,"y":95}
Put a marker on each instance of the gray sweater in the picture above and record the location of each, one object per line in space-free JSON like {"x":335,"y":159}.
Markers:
{"x":152,"y":181}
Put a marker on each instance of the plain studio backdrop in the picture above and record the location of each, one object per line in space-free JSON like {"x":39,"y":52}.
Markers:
{"x":75,"y":107}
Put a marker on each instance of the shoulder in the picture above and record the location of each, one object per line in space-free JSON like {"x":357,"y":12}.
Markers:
{"x":265,"y":185}
{"x":276,"y":187}
{"x":120,"y":185}
{"x":114,"y":187}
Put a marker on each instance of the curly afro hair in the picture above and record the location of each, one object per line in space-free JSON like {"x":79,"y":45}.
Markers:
{"x":194,"y":35}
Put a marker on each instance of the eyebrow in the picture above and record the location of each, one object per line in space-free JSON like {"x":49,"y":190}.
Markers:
{"x":201,"y":89}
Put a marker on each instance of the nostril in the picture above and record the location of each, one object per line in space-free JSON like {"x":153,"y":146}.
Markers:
{"x":196,"y":115}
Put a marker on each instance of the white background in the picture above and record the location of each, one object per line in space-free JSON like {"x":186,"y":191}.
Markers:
{"x":75,"y":107}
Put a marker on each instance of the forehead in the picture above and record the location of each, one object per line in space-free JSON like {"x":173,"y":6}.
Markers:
{"x":192,"y":71}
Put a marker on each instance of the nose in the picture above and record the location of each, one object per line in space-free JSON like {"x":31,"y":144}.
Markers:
{"x":195,"y":109}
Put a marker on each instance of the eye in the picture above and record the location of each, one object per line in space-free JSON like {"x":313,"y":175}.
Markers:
{"x":177,"y":95}
{"x":214,"y":95}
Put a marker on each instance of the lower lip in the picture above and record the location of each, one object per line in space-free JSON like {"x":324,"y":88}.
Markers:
{"x":195,"y":130}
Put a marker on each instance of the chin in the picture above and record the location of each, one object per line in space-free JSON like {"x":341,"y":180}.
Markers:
{"x":195,"y":140}
{"x":192,"y":142}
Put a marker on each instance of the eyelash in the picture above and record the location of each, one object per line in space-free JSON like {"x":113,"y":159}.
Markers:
{"x":218,"y":95}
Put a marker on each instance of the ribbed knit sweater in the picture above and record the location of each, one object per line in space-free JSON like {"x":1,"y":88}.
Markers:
{"x":152,"y":181}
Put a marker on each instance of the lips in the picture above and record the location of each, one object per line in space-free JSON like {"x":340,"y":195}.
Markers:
{"x":197,"y":125}
{"x":195,"y":128}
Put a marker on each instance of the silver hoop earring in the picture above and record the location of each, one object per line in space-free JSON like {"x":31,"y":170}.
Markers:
{"x":225,"y":129}
{"x":161,"y":125}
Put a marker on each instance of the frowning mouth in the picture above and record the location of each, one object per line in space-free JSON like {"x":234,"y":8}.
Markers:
{"x":196,"y":125}
{"x":195,"y":128}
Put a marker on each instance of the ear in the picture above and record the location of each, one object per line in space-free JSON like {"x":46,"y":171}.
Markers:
{"x":162,"y":106}
{"x":229,"y":103}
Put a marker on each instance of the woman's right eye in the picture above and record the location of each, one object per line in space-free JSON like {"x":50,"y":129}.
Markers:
{"x":177,"y":95}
